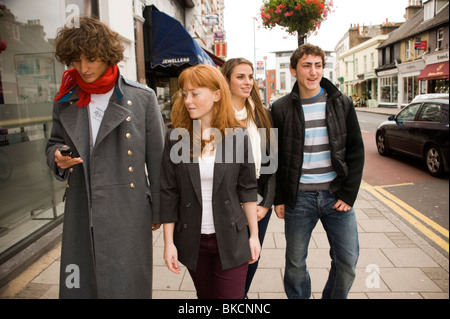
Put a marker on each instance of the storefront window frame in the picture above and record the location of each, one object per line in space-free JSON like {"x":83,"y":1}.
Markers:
{"x":51,"y":214}
{"x":410,"y":88}
{"x":389,"y":89}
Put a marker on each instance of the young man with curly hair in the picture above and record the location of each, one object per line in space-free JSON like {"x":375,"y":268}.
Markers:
{"x":114,"y":129}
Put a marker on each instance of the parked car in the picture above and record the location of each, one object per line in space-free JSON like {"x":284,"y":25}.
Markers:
{"x":420,"y":130}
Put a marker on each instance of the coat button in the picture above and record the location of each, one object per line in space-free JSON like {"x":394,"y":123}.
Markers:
{"x":71,"y":170}
{"x":233,"y":224}
{"x":130,"y":153}
{"x":227,"y":202}
{"x":67,"y":185}
{"x":188,"y":205}
{"x":128,"y":135}
{"x":128,"y":118}
{"x":132,"y":185}
{"x":130,"y":169}
{"x":185,"y":226}
{"x":129,"y":102}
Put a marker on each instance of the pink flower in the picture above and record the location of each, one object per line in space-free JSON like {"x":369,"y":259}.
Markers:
{"x":288,"y":14}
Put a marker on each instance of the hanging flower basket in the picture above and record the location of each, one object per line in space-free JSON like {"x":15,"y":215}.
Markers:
{"x":301,"y":16}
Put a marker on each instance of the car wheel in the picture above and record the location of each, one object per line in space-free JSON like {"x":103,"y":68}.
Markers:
{"x":433,"y":159}
{"x":382,"y":147}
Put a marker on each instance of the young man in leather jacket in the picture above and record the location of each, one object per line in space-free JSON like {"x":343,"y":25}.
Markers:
{"x":321,"y":158}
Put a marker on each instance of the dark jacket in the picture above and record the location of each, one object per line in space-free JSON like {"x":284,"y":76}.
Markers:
{"x":109,"y":193}
{"x":267,"y":182}
{"x":234,"y":183}
{"x":347,"y":148}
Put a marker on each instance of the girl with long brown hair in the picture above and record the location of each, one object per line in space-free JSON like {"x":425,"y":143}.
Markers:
{"x":250,"y":113}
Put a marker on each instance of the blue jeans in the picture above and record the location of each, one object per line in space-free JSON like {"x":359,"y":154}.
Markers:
{"x":342,"y":235}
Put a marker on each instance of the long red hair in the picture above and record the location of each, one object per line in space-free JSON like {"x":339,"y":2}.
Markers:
{"x":204,"y":76}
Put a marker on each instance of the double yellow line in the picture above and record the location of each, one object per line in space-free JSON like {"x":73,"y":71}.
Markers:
{"x":424,"y":224}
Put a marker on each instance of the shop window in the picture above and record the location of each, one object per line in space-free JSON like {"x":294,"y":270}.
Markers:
{"x":282,"y":80}
{"x":30,"y":76}
{"x":388,"y":88}
{"x":408,"y":50}
{"x":440,"y":39}
{"x":410,"y":88}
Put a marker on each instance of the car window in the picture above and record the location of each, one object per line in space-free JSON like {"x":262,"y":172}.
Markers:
{"x":408,"y":113}
{"x":430,"y":112}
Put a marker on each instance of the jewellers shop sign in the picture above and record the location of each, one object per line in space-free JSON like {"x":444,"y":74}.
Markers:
{"x":175,"y":61}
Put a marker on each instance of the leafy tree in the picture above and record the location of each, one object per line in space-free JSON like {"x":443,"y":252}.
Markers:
{"x":301,"y":16}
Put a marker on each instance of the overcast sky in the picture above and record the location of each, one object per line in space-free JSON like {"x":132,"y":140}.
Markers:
{"x":242,"y":31}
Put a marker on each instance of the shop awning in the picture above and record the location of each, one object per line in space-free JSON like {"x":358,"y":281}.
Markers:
{"x":434,"y":71}
{"x":173,"y":45}
{"x":354,"y":82}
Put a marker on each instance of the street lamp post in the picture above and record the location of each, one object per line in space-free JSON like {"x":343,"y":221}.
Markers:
{"x":265,"y":79}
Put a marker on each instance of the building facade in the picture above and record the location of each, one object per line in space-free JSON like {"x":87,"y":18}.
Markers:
{"x":285,"y":81}
{"x":271,"y":84}
{"x":357,"y":71}
{"x":357,"y":58}
{"x":414,"y":58}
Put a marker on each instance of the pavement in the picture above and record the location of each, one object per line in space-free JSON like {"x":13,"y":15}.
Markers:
{"x":395,"y":261}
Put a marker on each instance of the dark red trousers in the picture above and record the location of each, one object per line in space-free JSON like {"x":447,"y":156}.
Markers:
{"x":211,"y":282}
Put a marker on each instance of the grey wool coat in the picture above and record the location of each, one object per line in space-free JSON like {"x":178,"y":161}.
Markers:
{"x":110,"y":204}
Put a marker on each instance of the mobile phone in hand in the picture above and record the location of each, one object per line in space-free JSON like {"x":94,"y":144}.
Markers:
{"x":66,"y":151}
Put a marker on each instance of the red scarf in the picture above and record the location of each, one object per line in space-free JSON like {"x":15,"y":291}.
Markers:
{"x":71,"y":78}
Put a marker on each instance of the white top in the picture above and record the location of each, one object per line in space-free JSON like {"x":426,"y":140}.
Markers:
{"x":97,"y":108}
{"x":206,"y":164}
{"x":253,"y":133}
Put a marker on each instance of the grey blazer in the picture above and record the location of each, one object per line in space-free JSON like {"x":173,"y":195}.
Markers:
{"x":234,"y":182}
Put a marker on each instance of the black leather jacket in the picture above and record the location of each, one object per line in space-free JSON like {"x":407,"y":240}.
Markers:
{"x":347,"y":148}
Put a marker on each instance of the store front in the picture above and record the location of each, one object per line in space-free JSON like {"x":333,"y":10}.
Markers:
{"x":355,"y":89}
{"x":169,"y":49}
{"x":434,"y":78}
{"x":370,"y":94}
{"x":408,"y":74}
{"x":30,"y":197}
